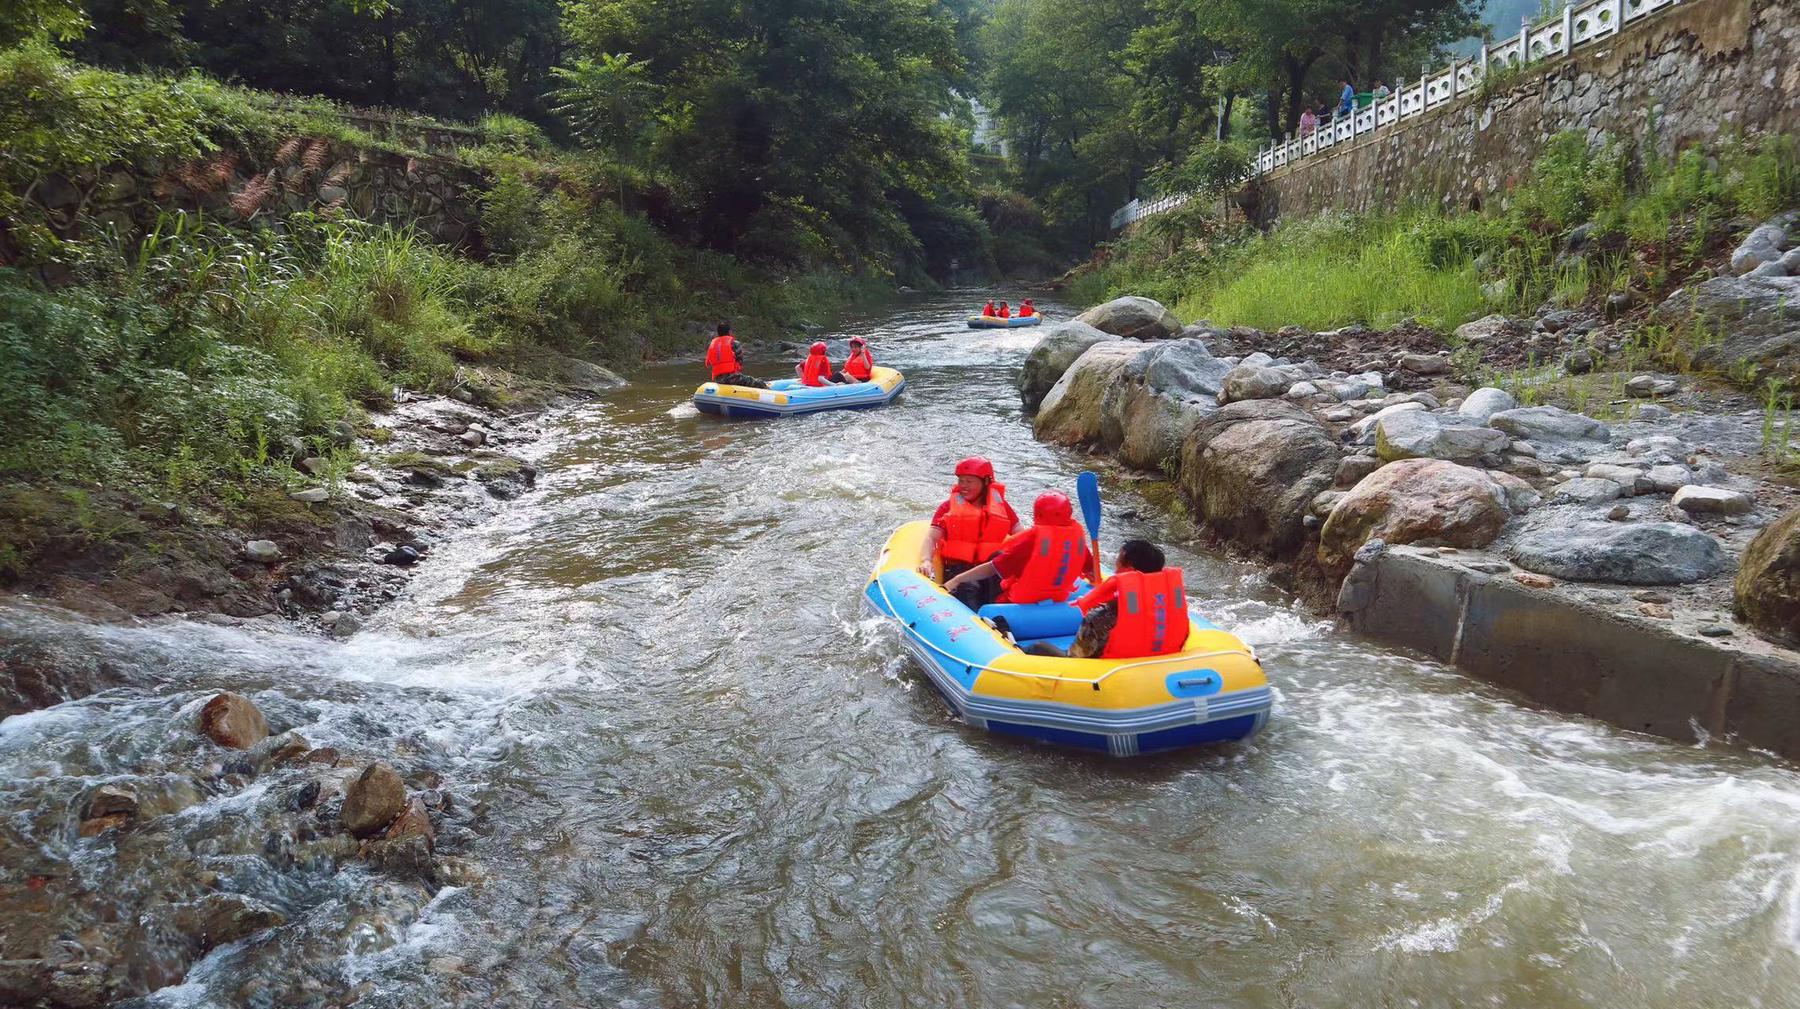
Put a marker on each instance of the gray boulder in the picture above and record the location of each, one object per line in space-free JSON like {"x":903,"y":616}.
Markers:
{"x":1698,"y":500}
{"x":1761,"y":246}
{"x":1253,"y":468}
{"x":1052,"y":356}
{"x":1248,"y":381}
{"x":1585,"y":490}
{"x":1557,"y":434}
{"x":1483,"y":403}
{"x":1757,"y":320}
{"x":1133,"y":318}
{"x":1416,"y":501}
{"x":1489,"y":328}
{"x":1363,"y":431}
{"x":1159,"y":395}
{"x":1647,"y":553}
{"x":1072,"y":411}
{"x":1417,"y":434}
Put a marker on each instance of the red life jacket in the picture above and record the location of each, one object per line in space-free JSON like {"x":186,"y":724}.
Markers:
{"x":988,"y":309}
{"x":1058,"y":559}
{"x":1153,"y":616}
{"x":861,"y":365}
{"x":974,"y":533}
{"x":721,"y":358}
{"x":1026,"y":311}
{"x":1005,"y":313}
{"x":815,"y":370}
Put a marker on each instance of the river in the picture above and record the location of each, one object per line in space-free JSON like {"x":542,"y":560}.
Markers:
{"x":697,"y":774}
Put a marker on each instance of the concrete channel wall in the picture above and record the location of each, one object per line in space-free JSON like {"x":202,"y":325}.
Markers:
{"x":1650,"y":675}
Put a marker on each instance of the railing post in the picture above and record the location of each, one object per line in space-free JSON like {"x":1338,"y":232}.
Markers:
{"x":1484,"y":53}
{"x":1618,"y":18}
{"x":1524,"y":40}
{"x":1568,"y":31}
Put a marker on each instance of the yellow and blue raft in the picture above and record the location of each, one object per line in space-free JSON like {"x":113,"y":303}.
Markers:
{"x":1212,"y":691}
{"x":786,"y":397}
{"x":995,"y":322}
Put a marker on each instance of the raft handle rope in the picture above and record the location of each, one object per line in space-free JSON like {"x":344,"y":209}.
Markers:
{"x":1093,"y":681}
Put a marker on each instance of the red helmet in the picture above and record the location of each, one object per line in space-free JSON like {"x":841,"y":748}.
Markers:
{"x":857,"y":341}
{"x":1053,"y":509}
{"x":976,"y":465}
{"x":818,"y":348}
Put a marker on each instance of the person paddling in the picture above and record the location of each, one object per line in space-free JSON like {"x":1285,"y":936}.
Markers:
{"x":861,"y":365}
{"x":1041,"y":563}
{"x":1027,"y":309}
{"x":816,"y":371}
{"x":1141,"y":611}
{"x":725,"y":360}
{"x":969,"y":528}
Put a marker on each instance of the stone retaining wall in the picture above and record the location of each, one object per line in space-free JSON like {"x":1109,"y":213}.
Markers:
{"x":1693,"y":72}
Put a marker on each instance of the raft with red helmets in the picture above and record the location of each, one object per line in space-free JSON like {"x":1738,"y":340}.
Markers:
{"x":998,"y":322}
{"x":789,"y":396}
{"x":1209,"y":689}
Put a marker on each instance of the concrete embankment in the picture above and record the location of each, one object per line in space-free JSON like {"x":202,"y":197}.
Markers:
{"x":1588,"y":564}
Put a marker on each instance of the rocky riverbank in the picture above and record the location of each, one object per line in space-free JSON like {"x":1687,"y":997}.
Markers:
{"x":1318,"y":451}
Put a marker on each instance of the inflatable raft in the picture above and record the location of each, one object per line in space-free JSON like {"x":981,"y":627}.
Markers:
{"x":787,"y":396}
{"x":1212,"y":691}
{"x":995,"y":322}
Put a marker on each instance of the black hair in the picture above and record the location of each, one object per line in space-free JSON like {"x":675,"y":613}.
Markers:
{"x":1142,"y":555}
{"x":725,"y":328}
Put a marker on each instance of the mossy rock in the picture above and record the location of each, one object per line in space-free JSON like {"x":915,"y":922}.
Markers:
{"x":1768,"y":582}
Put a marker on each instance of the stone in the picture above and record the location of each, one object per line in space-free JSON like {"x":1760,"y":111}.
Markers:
{"x":1425,"y":364}
{"x":1771,"y":269}
{"x":343,"y":434}
{"x":314,"y":465}
{"x":373,"y":800}
{"x":1363,"y":431}
{"x":1766,"y":594}
{"x":581,"y":376}
{"x":1416,"y":434}
{"x":1651,"y":596}
{"x":1656,"y":610}
{"x":95,"y":826}
{"x":221,"y":918}
{"x":1353,"y":468}
{"x":1585,"y":490}
{"x":1249,"y":382}
{"x":1637,"y":553}
{"x":333,"y":195}
{"x":1757,"y":320}
{"x":311,"y":495}
{"x":1618,"y":513}
{"x":262,"y":551}
{"x":1302,"y":391}
{"x":234,"y":721}
{"x":1483,"y":403}
{"x":473,"y":437}
{"x":1714,"y":631}
{"x":345,"y":626}
{"x":1668,"y":478}
{"x":1429,"y":501}
{"x":413,"y":821}
{"x":1648,"y":386}
{"x":1071,"y":412}
{"x":1761,"y":246}
{"x":405,"y":555}
{"x":1651,"y":411}
{"x":1488,"y":328}
{"x":1533,"y":581}
{"x":1324,"y":502}
{"x":1133,"y":318}
{"x":110,"y":800}
{"x":1184,"y":369}
{"x":1340,"y":415}
{"x":1557,"y":434}
{"x":1698,"y":500}
{"x":1252,"y":468}
{"x":1631,"y":480}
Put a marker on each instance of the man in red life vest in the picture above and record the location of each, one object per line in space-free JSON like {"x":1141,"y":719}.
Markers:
{"x":1043,"y":562}
{"x":969,"y":528}
{"x":725,"y":360}
{"x":1027,"y":310}
{"x":1141,"y":611}
{"x":987,"y":310}
{"x":1005,"y":313}
{"x":861,"y":365}
{"x":816,"y":369}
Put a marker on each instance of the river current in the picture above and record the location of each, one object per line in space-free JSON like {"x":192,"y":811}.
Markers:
{"x":702,"y":776}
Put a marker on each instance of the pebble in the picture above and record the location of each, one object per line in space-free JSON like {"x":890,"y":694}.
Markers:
{"x":1715,"y":631}
{"x":1696,"y":500}
{"x":1656,"y":610}
{"x":1650,"y":596}
{"x":404,"y":556}
{"x":262,"y":551}
{"x":1534,"y":581}
{"x":1618,"y":513}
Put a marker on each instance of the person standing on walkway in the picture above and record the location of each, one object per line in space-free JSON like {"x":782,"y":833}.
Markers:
{"x":1347,"y":100}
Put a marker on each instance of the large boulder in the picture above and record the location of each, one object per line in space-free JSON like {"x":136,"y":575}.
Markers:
{"x":1416,"y":434}
{"x":1252,"y":469}
{"x":1159,"y":397}
{"x":1482,"y":404}
{"x":373,"y":800}
{"x":1756,"y":321}
{"x":1416,"y":501}
{"x":1768,"y":580}
{"x":233,"y":720}
{"x":1557,"y":434}
{"x":1133,"y":318}
{"x":1641,"y":553}
{"x":1052,"y":356}
{"x":1071,"y":412}
{"x":1249,"y":381}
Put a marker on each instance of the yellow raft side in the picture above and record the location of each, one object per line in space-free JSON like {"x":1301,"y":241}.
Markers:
{"x":1137,"y":683}
{"x":884,"y":378}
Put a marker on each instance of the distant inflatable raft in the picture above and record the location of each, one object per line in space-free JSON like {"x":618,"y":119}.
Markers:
{"x":995,"y":322}
{"x":1212,"y":691}
{"x":787,"y":396}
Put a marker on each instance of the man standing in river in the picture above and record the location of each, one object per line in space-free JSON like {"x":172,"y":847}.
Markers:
{"x":725,"y":360}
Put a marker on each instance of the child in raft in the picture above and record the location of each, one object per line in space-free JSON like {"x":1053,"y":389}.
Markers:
{"x":861,"y":365}
{"x":816,"y":370}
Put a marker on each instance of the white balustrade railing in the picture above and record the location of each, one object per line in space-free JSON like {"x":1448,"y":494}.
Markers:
{"x":1579,"y":24}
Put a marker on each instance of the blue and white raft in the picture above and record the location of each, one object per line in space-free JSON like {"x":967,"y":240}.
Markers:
{"x":1212,"y":691}
{"x":786,"y":397}
{"x":995,"y":322}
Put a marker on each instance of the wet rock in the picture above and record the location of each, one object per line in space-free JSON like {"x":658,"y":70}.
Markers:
{"x":1052,"y":357}
{"x":1757,"y":318}
{"x":97,"y":825}
{"x":1133,"y":318}
{"x":220,"y":918}
{"x":286,"y":748}
{"x":345,"y":626}
{"x":584,"y":376}
{"x":1073,"y":410}
{"x":233,"y":721}
{"x":1766,"y":594}
{"x":1483,"y":403}
{"x":1252,"y":468}
{"x":373,"y":800}
{"x":1645,"y":553}
{"x":474,"y":437}
{"x":506,"y":478}
{"x":1250,"y":382}
{"x":1416,"y":434}
{"x":1698,"y":500}
{"x":1647,"y":386}
{"x":1557,"y":434}
{"x":108,"y":800}
{"x":1429,"y":501}
{"x":262,"y":551}
{"x":1585,"y":490}
{"x":404,"y":556}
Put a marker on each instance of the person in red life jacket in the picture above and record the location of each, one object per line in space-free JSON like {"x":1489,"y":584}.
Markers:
{"x":987,"y":310}
{"x":1005,"y":313}
{"x":1027,"y":310}
{"x":816,"y":369}
{"x":861,"y":365}
{"x":1041,"y":563}
{"x":726,"y":360}
{"x":1141,"y":611}
{"x":968,"y":529}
